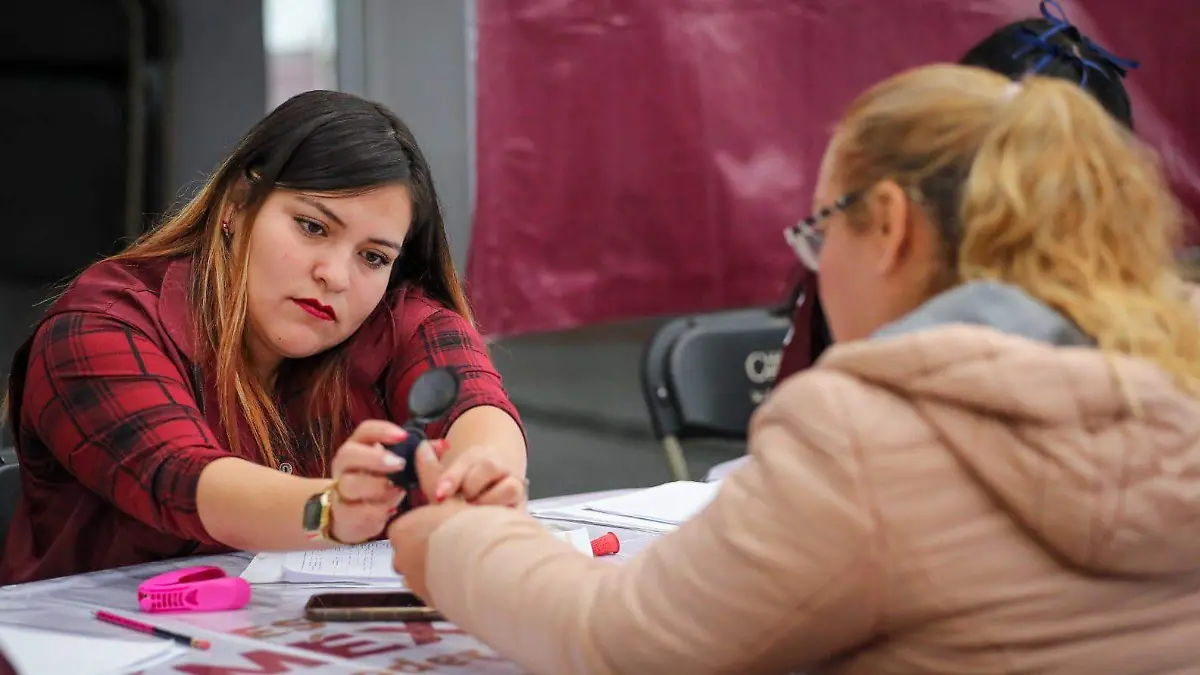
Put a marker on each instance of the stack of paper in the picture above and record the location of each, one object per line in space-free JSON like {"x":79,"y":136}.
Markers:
{"x":657,"y":509}
{"x":369,"y":563}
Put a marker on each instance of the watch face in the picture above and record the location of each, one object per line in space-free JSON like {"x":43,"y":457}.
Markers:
{"x":312,"y":513}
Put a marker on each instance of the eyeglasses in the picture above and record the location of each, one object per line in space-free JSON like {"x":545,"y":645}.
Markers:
{"x":806,"y":238}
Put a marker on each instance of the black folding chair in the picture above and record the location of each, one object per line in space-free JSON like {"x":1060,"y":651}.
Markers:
{"x":704,"y":375}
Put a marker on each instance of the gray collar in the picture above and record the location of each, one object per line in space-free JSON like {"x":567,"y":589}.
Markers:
{"x":1003,"y":307}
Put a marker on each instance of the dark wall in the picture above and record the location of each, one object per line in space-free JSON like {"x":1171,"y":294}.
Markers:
{"x":218,"y":92}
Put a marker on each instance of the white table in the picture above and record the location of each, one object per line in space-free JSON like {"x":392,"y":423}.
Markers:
{"x":270,"y":635}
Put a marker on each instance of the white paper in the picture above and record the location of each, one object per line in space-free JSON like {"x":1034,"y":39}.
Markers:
{"x":265,"y":568}
{"x":33,"y":652}
{"x":670,"y":503}
{"x":581,"y":515}
{"x":366,"y":563}
{"x":369,"y":563}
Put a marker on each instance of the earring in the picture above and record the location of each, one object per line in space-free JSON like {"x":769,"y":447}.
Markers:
{"x":225,"y":229}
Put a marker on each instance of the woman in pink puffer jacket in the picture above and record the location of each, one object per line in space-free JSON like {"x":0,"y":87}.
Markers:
{"x":996,"y":469}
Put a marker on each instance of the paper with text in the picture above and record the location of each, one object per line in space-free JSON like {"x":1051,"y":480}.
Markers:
{"x":366,"y":563}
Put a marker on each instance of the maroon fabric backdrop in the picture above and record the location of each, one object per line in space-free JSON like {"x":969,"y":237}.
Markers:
{"x":642,"y":157}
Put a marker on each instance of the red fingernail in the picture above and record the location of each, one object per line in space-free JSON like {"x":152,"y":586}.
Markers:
{"x":607,"y":544}
{"x":399,"y":436}
{"x":439,"y":445}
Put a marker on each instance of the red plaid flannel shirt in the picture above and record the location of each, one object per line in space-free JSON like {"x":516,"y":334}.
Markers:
{"x":114,"y":432}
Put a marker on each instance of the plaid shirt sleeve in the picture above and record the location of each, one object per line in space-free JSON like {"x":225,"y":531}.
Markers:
{"x":121,"y":417}
{"x":447,"y":339}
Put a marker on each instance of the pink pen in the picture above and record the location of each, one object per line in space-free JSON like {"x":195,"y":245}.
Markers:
{"x":194,"y":589}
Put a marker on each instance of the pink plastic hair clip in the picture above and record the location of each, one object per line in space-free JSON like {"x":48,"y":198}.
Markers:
{"x":193,"y":589}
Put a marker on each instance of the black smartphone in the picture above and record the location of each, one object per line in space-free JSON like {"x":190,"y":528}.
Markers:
{"x":386,"y":606}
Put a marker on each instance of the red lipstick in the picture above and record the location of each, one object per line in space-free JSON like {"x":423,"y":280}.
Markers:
{"x":316,"y":308}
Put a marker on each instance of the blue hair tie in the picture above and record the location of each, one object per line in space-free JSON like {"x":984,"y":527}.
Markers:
{"x":1058,"y":24}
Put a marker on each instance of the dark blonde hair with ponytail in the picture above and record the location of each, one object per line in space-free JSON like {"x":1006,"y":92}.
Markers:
{"x":1033,"y":184}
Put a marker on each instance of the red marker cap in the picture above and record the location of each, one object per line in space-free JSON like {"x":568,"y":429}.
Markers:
{"x":606,"y":545}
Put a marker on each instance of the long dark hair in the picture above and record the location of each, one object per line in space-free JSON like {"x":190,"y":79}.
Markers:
{"x":322,"y":142}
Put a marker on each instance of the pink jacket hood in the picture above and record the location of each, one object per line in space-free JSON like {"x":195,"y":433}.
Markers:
{"x":1097,"y":455}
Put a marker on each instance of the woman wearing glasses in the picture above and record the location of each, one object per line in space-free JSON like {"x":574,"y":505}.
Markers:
{"x":1050,"y":46}
{"x":992,"y":471}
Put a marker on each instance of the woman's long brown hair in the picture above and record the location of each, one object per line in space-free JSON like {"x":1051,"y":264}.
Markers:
{"x":320,"y":142}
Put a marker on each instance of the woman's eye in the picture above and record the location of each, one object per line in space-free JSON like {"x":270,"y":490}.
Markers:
{"x":311,"y":227}
{"x":376,"y":259}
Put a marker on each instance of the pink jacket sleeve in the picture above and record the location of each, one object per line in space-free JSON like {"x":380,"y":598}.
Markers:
{"x":781,"y":571}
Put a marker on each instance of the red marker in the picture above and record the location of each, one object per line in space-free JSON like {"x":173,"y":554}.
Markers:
{"x":606,"y":545}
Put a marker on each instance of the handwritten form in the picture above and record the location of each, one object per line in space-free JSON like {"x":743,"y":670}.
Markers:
{"x":366,"y":563}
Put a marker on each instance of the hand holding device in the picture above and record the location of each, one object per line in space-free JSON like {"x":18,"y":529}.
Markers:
{"x":431,"y":397}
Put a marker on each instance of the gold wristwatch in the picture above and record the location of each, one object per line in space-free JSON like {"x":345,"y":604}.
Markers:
{"x":318,"y":521}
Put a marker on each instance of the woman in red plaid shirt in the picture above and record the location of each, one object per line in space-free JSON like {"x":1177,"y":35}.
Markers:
{"x":230,"y":372}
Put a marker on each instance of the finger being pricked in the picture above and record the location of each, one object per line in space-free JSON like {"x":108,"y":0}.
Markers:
{"x":361,"y":457}
{"x":479,"y":477}
{"x":509,"y":491}
{"x":430,"y":471}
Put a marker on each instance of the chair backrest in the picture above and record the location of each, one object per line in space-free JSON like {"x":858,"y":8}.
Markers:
{"x":10,"y":495}
{"x":704,"y":375}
